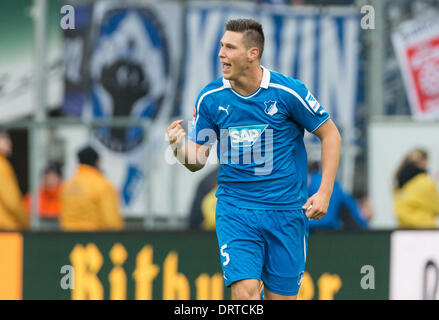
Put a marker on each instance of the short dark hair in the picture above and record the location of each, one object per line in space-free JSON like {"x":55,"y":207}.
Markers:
{"x":54,"y":166}
{"x":88,"y":156}
{"x":252,"y":30}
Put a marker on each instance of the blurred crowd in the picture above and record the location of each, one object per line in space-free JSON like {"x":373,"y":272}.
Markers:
{"x":344,"y":212}
{"x":87,"y":201}
{"x":415,"y":199}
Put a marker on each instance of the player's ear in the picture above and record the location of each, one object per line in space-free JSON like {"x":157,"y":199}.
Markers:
{"x":253,"y":54}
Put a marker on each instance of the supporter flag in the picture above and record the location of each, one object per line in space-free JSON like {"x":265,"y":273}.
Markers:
{"x":416,"y":44}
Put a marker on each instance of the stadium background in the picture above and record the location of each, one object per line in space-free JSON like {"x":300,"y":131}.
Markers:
{"x":53,"y":100}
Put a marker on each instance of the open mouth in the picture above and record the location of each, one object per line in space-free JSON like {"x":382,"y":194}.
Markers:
{"x":226,"y":67}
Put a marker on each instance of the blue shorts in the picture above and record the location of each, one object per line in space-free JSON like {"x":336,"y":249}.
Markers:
{"x":268,"y":245}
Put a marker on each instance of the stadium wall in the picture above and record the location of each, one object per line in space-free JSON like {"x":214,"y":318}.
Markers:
{"x":370,"y":265}
{"x":172,"y":265}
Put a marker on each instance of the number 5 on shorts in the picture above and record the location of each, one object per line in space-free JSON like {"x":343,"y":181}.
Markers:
{"x":225,"y":254}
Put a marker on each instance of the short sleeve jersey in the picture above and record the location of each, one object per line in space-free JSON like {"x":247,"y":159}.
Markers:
{"x":263,"y":161}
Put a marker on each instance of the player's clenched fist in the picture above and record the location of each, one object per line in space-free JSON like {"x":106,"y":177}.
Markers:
{"x":176,"y":134}
{"x":316,"y":206}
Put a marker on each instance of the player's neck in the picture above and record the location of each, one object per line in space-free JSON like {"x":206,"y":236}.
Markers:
{"x":249,"y":81}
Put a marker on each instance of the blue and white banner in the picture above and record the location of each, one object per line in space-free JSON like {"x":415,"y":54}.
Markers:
{"x":126,"y":65}
{"x":134,"y":72}
{"x":319,"y":47}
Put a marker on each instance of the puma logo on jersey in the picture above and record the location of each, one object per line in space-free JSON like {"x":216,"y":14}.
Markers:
{"x":246,"y":136}
{"x":270,"y":107}
{"x":224,"y":109}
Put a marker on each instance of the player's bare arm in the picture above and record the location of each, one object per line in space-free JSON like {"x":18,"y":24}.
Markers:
{"x":190,"y":154}
{"x":331,"y":143}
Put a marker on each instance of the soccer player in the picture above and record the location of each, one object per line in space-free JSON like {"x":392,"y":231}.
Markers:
{"x":258,"y":118}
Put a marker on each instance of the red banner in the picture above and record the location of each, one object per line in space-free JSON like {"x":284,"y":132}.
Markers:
{"x":417,"y":48}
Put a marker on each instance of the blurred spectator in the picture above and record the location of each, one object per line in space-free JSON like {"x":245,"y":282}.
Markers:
{"x":272,"y":1}
{"x":343,"y":211}
{"x":416,"y":198}
{"x":49,"y":193}
{"x":88,"y":200}
{"x":202,"y":214}
{"x":12,"y":212}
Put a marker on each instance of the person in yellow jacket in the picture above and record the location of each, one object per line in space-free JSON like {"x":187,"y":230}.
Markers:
{"x":89,"y":202}
{"x":208,"y":206}
{"x":13,"y":215}
{"x":416,"y":198}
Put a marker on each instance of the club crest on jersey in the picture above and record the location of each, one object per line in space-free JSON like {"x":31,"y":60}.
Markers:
{"x":313,"y":103}
{"x":246,"y":136}
{"x":270,"y":107}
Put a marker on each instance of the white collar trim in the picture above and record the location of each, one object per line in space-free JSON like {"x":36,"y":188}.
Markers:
{"x":264,"y":83}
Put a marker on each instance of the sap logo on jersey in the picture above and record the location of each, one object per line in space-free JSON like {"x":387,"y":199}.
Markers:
{"x":246,"y":136}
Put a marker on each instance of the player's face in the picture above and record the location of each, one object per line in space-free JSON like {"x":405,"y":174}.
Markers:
{"x":5,"y":145}
{"x":233,"y":55}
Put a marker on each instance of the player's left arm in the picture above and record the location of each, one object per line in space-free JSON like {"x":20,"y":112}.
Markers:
{"x":317,"y":204}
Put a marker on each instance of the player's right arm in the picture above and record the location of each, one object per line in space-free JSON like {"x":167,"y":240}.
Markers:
{"x":190,"y":154}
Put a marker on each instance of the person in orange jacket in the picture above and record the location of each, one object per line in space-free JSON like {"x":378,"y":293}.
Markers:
{"x":49,"y":193}
{"x":89,"y":202}
{"x":13,"y":215}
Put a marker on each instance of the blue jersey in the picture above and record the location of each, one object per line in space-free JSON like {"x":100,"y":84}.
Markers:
{"x":260,"y":140}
